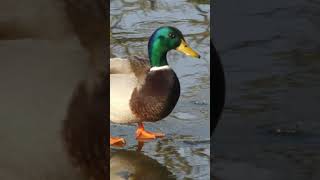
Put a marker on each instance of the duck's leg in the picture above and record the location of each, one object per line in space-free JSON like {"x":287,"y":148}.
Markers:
{"x":140,"y":145}
{"x":141,"y":133}
{"x":116,"y":141}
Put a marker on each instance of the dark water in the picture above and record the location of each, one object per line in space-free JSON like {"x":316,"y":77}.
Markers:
{"x":271,"y":54}
{"x":184,"y":152}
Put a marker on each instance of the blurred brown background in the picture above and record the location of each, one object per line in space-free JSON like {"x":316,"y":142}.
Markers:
{"x":53,"y":66}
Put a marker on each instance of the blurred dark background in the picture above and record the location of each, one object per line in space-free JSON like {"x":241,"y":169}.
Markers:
{"x":270,"y":51}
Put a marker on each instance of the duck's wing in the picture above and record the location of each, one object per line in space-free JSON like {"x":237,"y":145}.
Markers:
{"x":136,"y":65}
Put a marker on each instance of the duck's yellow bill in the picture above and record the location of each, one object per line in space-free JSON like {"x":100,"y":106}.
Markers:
{"x":184,"y":48}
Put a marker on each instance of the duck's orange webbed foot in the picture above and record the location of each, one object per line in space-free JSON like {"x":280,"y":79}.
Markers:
{"x":116,"y":141}
{"x":142,"y":134}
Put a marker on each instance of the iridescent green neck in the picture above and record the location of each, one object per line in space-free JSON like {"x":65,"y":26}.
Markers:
{"x":157,"y":52}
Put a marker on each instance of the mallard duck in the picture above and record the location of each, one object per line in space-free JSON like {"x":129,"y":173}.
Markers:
{"x":146,"y":89}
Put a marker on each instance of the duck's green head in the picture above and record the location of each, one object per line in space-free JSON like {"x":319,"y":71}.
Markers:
{"x":165,"y":39}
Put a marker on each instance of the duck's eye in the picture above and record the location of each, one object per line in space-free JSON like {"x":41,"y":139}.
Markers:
{"x":171,"y":35}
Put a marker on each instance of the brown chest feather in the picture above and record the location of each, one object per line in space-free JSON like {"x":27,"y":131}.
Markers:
{"x":157,"y":97}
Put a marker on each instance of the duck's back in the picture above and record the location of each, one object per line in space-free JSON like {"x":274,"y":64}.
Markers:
{"x":125,"y":75}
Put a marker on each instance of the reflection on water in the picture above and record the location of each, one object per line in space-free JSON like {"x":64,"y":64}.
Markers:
{"x":270,"y":52}
{"x":185,"y":149}
{"x":130,"y":164}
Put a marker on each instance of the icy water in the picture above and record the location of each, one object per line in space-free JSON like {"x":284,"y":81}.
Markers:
{"x":184,"y":152}
{"x":271,"y":55}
